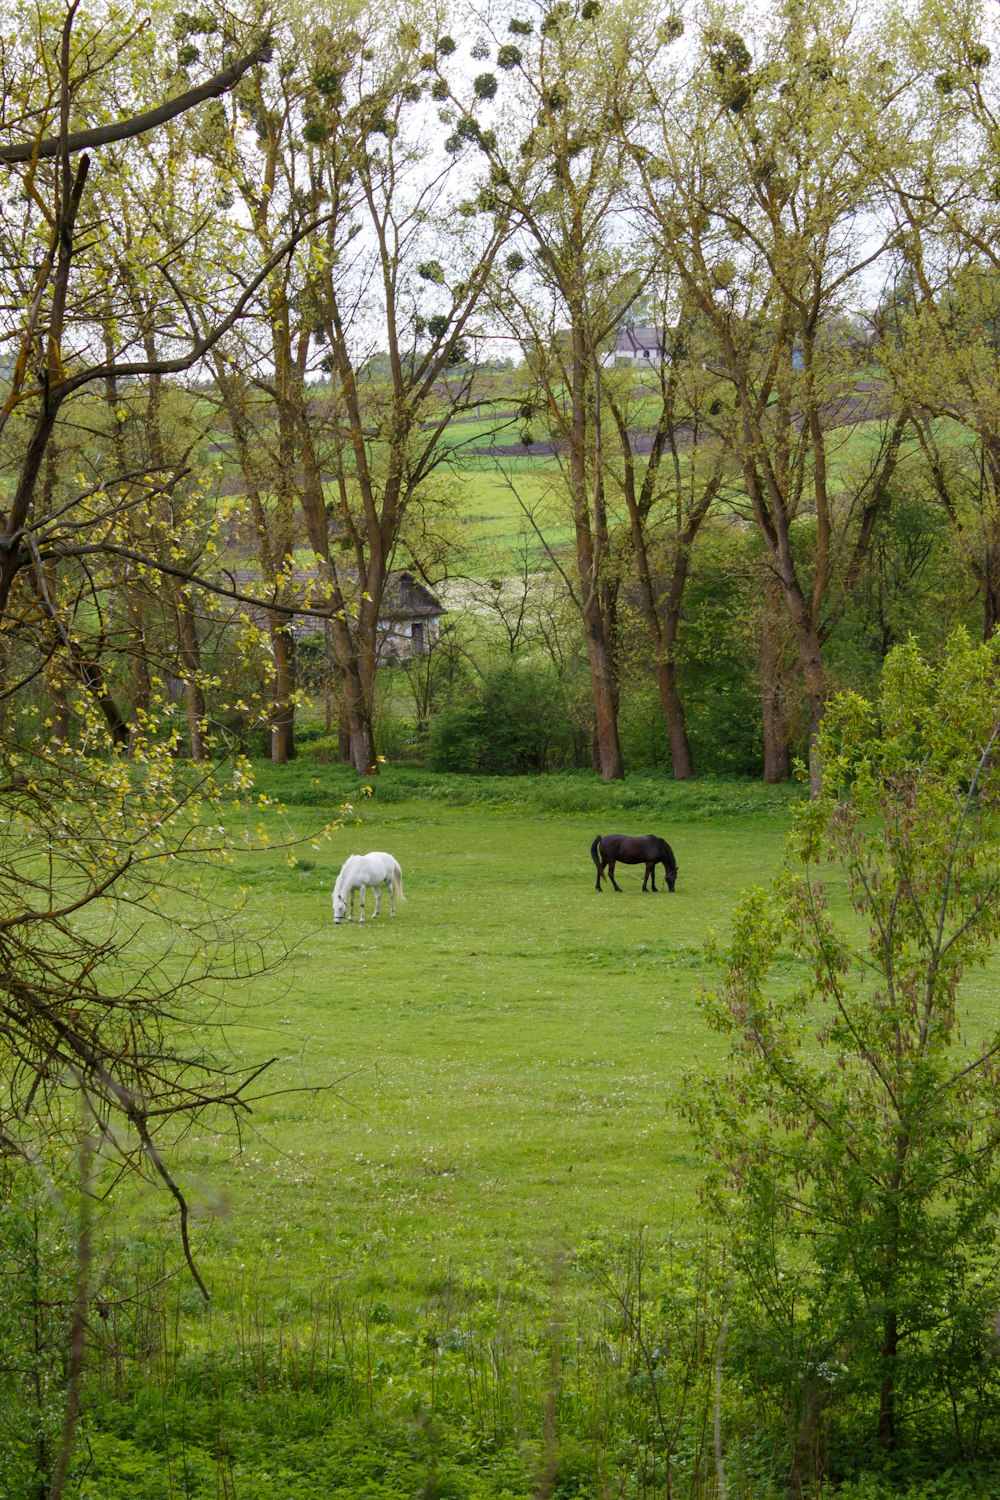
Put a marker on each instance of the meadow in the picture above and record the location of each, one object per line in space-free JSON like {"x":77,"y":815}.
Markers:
{"x":505,"y":1050}
{"x":460,"y":1254}
{"x":469,"y":1133}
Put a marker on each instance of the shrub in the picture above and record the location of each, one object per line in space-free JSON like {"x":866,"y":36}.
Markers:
{"x":854,"y":1156}
{"x":516,"y":721}
{"x":455,"y":742}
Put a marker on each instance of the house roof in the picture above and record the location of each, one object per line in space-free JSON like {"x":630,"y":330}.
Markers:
{"x":406,"y":598}
{"x":638,"y":340}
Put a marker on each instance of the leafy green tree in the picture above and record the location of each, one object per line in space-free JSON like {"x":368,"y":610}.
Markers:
{"x":938,"y":319}
{"x":98,"y":1044}
{"x":911,"y":584}
{"x":944,"y":361}
{"x":669,"y":492}
{"x":853,"y":1134}
{"x":567,"y":286}
{"x":725,"y":636}
{"x":383,"y":303}
{"x":760,"y":182}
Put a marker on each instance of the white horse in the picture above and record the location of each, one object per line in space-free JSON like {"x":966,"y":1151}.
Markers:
{"x":363,"y":870}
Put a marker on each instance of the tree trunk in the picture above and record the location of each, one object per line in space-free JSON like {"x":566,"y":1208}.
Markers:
{"x":4,"y":679}
{"x":607,"y":747}
{"x":363,"y":757}
{"x":590,"y":525}
{"x":887,"y":1392}
{"x":681,"y":758}
{"x":773,"y":691}
{"x":327,"y":677}
{"x":360,"y":702}
{"x":142,"y":687}
{"x":283,"y":707}
{"x":190,"y":651}
{"x":810,"y":652}
{"x":343,"y":731}
{"x":357,"y":678}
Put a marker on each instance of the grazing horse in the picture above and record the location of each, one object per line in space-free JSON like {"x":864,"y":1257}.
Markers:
{"x":640,"y":849}
{"x":363,"y":870}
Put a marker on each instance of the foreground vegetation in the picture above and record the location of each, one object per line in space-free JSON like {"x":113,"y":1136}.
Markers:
{"x":461,"y":1252}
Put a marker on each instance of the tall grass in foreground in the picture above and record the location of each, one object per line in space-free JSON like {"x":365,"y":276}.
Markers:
{"x":622,"y":1373}
{"x":580,"y":1380}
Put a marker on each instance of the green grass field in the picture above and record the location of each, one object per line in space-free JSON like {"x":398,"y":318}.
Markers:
{"x":508,"y":1051}
{"x":510,"y":1041}
{"x":496,"y":1072}
{"x":492,"y":507}
{"x":422,"y":1261}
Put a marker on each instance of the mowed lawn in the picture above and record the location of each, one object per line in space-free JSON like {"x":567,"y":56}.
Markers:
{"x":498,"y":1066}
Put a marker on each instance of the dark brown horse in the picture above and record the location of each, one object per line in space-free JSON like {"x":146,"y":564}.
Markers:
{"x":609,"y":849}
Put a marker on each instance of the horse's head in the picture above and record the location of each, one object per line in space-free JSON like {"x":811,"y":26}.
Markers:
{"x":339,"y":908}
{"x":671,"y":878}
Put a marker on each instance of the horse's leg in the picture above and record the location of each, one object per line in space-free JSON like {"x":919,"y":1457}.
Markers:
{"x":392,"y":902}
{"x":364,"y":892}
{"x":611,"y":874}
{"x":600,"y":871}
{"x":378,"y":900}
{"x":651,"y":874}
{"x":350,"y":914}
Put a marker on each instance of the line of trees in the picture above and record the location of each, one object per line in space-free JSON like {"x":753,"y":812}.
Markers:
{"x":314,"y":252}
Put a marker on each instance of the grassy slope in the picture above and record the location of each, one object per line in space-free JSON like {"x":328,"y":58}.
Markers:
{"x":489,"y":507}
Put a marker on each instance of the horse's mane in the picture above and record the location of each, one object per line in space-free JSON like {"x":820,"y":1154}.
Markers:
{"x":345,"y":869}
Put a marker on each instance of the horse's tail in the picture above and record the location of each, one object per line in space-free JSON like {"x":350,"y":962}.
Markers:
{"x":595,"y":856}
{"x":397,"y":882}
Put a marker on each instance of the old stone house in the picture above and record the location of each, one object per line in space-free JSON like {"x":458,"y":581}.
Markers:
{"x":410,"y":619}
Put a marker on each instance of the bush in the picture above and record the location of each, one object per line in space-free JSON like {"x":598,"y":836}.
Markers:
{"x":395,"y":737}
{"x":854,"y":1163}
{"x":455,"y":742}
{"x":642,"y":730}
{"x":518,"y":721}
{"x":37,"y":1267}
